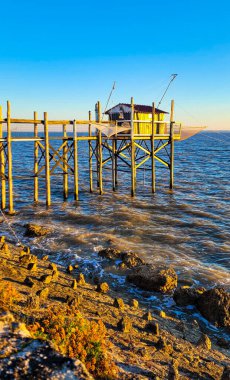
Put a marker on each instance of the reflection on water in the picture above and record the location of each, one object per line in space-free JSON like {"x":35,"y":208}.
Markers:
{"x":188,"y":228}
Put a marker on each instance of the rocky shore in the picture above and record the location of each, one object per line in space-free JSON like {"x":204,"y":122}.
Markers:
{"x":54,"y":324}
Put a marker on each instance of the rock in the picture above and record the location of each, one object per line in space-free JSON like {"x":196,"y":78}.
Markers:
{"x":162,"y":314}
{"x":26,"y":250}
{"x":32,"y":267}
{"x":163,"y":345}
{"x":6,"y":317}
{"x":74,"y":285}
{"x":33,"y":302}
{"x":110,"y":253}
{"x":45,"y":258}
{"x":69,"y":269}
{"x":131,"y":259}
{"x":125,"y":325}
{"x":153,"y":327}
{"x":186,"y":295}
{"x":25,"y":358}
{"x":173,"y":371}
{"x":2,"y":239}
{"x":147,"y":277}
{"x":204,"y":342}
{"x":27,"y":258}
{"x":81,"y":279}
{"x":226,"y":374}
{"x":53,"y":267}
{"x":119,"y":303}
{"x":34,"y":230}
{"x":29,"y":282}
{"x":74,"y":301}
{"x":148,"y":316}
{"x":103,"y":287}
{"x":43,"y":293}
{"x":46,"y":278}
{"x":214,"y":305}
{"x":134,"y":303}
{"x":5,"y":248}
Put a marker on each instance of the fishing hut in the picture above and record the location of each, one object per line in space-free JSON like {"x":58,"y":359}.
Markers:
{"x":132,"y":136}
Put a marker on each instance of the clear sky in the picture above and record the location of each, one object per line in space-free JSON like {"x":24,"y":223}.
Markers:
{"x":63,"y":56}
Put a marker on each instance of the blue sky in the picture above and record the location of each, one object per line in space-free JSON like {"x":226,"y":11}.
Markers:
{"x":62,"y":57}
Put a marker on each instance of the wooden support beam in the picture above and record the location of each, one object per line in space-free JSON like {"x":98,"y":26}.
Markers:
{"x":90,"y":157}
{"x":10,"y":168}
{"x":133,"y":164}
{"x":172,"y":145}
{"x":47,"y":160}
{"x":114,"y":162}
{"x":152,"y":150}
{"x":75,"y":158}
{"x":2,"y":167}
{"x":65,"y":160}
{"x":36,"y":150}
{"x":100,"y":158}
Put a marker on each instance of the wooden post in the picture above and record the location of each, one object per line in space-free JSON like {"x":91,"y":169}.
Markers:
{"x":152,"y":150}
{"x":172,"y":145}
{"x":65,"y":160}
{"x":9,"y":150}
{"x":116,"y":167}
{"x":114,"y":162}
{"x":133,"y":165}
{"x":36,"y":149}
{"x":75,"y":158}
{"x":47,"y":160}
{"x":2,"y":166}
{"x":90,"y":158}
{"x":100,"y":158}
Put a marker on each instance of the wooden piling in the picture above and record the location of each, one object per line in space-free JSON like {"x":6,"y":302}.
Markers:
{"x":75,"y":157}
{"x":36,"y":150}
{"x":90,"y":157}
{"x":172,"y":145}
{"x":114,"y":163}
{"x":133,"y":164}
{"x":65,"y":161}
{"x":2,"y":166}
{"x":47,"y":160}
{"x":10,"y":174}
{"x":152,"y":150}
{"x":100,"y":157}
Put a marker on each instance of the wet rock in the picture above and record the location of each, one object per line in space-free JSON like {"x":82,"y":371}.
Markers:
{"x":119,"y":303}
{"x":5,"y":248}
{"x":27,"y":258}
{"x":53,"y":267}
{"x":186,"y":295}
{"x":110,"y":253}
{"x":226,"y":374}
{"x":103,"y":287}
{"x":74,"y":285}
{"x":147,"y":277}
{"x":173,"y":371}
{"x":43,"y":293}
{"x":214,"y":305}
{"x":163,"y":345}
{"x":25,"y":250}
{"x":32,"y":267}
{"x":134,"y":303}
{"x":2,"y":239}
{"x":55,"y":275}
{"x":162,"y":314}
{"x":33,"y":302}
{"x":153,"y":327}
{"x":81,"y":279}
{"x":34,"y":230}
{"x":148,"y":316}
{"x":20,"y":329}
{"x":46,"y":278}
{"x":125,"y":325}
{"x":29,"y":282}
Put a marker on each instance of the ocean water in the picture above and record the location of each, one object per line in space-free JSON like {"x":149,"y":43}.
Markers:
{"x":188,"y":228}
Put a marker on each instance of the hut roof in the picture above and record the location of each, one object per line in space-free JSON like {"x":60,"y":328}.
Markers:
{"x":141,"y":108}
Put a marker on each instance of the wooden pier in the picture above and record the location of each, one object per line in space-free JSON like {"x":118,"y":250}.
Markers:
{"x":131,"y":149}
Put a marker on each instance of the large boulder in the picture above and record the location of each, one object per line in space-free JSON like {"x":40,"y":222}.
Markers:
{"x":34,"y":230}
{"x":148,"y":277}
{"x":129,"y":259}
{"x":186,"y":295}
{"x":214,"y":305}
